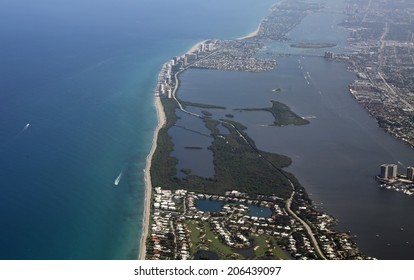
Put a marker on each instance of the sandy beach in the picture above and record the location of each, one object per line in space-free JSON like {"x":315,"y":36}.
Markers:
{"x":194,"y":48}
{"x":251,"y":35}
{"x":147,"y":176}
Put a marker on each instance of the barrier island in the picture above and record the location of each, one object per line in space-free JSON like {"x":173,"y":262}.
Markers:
{"x":252,"y":208}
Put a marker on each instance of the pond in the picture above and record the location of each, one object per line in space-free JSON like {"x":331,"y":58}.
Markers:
{"x":259,"y":211}
{"x":207,"y":205}
{"x":206,"y":255}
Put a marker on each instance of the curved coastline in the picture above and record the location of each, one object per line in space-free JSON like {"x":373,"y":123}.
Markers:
{"x":161,"y":122}
{"x":147,"y":177}
{"x":147,"y":173}
{"x":252,"y":34}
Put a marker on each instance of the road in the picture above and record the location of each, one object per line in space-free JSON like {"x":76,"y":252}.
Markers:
{"x":307,"y":227}
{"x":289,"y":201}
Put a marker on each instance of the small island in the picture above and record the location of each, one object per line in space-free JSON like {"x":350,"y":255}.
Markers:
{"x":282,"y":114}
{"x":313,"y":45}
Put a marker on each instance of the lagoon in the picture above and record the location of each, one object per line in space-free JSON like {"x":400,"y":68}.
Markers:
{"x":207,"y":205}
{"x":335,"y":157}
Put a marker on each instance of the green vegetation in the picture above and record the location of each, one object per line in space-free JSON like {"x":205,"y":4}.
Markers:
{"x":195,"y":236}
{"x":186,"y":171}
{"x":206,"y":113}
{"x":278,"y":253}
{"x":237,"y":164}
{"x":261,"y":246}
{"x":202,"y":105}
{"x":203,"y":238}
{"x":282,"y":113}
{"x":215,"y":245}
{"x":313,"y":45}
{"x":163,"y":167}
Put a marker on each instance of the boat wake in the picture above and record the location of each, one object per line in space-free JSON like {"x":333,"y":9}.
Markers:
{"x":26,"y":127}
{"x":118,"y":179}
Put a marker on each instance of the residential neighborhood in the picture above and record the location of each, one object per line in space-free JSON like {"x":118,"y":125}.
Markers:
{"x":238,"y":226}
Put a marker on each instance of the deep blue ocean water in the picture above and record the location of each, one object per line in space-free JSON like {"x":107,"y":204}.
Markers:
{"x":82,"y":74}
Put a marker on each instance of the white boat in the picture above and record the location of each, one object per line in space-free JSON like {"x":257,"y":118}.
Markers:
{"x":116,"y":182}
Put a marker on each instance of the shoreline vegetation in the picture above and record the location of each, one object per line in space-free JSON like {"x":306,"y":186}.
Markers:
{"x":159,"y":132}
{"x":313,"y":45}
{"x":282,"y":114}
{"x":241,"y":170}
{"x":147,"y":176}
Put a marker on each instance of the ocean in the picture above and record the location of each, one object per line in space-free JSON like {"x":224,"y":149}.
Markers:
{"x":77,"y":112}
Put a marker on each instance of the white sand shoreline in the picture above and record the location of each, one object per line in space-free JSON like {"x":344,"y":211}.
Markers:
{"x":147,"y":176}
{"x":194,"y":48}
{"x":252,"y":34}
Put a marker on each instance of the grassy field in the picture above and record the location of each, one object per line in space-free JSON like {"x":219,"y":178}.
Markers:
{"x":203,"y":238}
{"x":195,"y":236}
{"x":261,"y":246}
{"x":215,"y":245}
{"x":280,"y":254}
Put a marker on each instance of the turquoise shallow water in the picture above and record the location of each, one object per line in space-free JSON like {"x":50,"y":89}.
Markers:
{"x":82,"y":74}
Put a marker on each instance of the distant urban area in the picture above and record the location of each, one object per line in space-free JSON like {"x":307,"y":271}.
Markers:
{"x":381,"y":35}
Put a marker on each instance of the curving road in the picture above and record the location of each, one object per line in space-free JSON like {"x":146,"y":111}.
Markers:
{"x":289,"y":201}
{"x":307,"y":227}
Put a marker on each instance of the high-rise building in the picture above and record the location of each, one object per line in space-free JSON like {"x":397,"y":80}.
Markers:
{"x":329,"y":55}
{"x":202,"y":47}
{"x":389,"y":171}
{"x":392,"y":171}
{"x":410,"y":173}
{"x":384,"y":171}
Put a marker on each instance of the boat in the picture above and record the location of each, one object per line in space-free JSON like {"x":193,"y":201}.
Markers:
{"x":118,"y":179}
